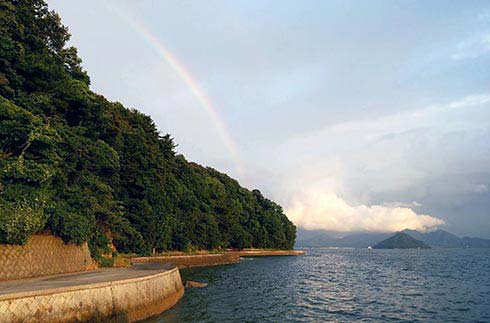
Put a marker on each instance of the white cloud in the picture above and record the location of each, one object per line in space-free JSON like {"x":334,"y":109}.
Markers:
{"x":484,"y":16}
{"x":468,"y":101}
{"x":325,"y":210}
{"x":415,"y":118}
{"x":357,"y":165}
{"x":480,"y":188}
{"x":472,"y":48}
{"x":402,"y":204}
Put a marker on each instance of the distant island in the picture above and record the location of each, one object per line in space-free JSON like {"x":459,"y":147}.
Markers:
{"x":401,"y":240}
{"x":436,"y":239}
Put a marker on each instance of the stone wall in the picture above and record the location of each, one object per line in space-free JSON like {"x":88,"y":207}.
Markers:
{"x":43,"y":255}
{"x":127,"y":300}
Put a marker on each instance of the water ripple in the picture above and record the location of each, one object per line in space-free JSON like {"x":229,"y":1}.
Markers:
{"x":342,"y":285}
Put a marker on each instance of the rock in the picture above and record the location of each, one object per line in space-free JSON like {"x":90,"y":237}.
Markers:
{"x":190,"y":283}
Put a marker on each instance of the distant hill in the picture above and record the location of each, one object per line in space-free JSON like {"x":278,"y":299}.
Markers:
{"x":362,"y":239}
{"x":323,"y":238}
{"x":444,"y":239}
{"x":469,"y":242}
{"x":437,"y":239}
{"x":401,"y":240}
{"x":315,"y":238}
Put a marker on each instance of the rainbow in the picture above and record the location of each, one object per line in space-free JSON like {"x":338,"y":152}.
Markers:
{"x":157,"y":45}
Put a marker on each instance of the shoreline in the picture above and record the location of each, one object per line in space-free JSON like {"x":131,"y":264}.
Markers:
{"x":269,"y":253}
{"x":189,"y":261}
{"x":206,"y":258}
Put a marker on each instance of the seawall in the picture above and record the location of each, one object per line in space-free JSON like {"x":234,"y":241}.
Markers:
{"x":186,"y":261}
{"x":106,"y":295}
{"x":267,"y":253}
{"x":210,"y":259}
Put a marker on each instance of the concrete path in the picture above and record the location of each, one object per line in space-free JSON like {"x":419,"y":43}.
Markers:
{"x":80,"y":279}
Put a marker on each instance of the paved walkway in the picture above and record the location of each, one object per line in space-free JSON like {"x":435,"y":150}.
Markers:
{"x":80,"y":279}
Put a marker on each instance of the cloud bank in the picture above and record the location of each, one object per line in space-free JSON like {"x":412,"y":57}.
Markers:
{"x":411,"y":157}
{"x":327,"y":211}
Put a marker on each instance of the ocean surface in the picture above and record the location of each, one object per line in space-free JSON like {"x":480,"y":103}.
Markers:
{"x":342,"y":285}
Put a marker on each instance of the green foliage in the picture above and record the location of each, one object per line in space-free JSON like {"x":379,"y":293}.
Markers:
{"x":84,"y":168}
{"x":19,"y":220}
{"x":70,"y":226}
{"x":99,"y":244}
{"x":105,"y":262}
{"x":27,"y":164}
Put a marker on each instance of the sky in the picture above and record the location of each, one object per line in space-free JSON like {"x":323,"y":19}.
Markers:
{"x":353,"y":115}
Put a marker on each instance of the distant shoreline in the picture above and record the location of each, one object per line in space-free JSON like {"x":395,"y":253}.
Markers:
{"x":208,"y":258}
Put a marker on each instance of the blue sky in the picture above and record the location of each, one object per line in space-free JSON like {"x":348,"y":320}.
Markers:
{"x":354,"y":115}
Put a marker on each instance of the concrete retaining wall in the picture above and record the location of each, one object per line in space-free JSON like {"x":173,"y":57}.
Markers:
{"x":267,"y":253}
{"x":193,"y":260}
{"x":43,"y":255}
{"x":228,"y":257}
{"x":119,"y":301}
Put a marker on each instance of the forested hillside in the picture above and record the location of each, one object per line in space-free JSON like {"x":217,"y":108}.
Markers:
{"x":86,"y":169}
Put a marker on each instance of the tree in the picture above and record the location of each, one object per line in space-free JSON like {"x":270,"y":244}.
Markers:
{"x":87,"y":169}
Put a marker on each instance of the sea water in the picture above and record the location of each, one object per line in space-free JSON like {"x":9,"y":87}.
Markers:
{"x":342,"y":285}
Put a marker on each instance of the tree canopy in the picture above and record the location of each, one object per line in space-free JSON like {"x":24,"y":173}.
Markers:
{"x":86,"y":169}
